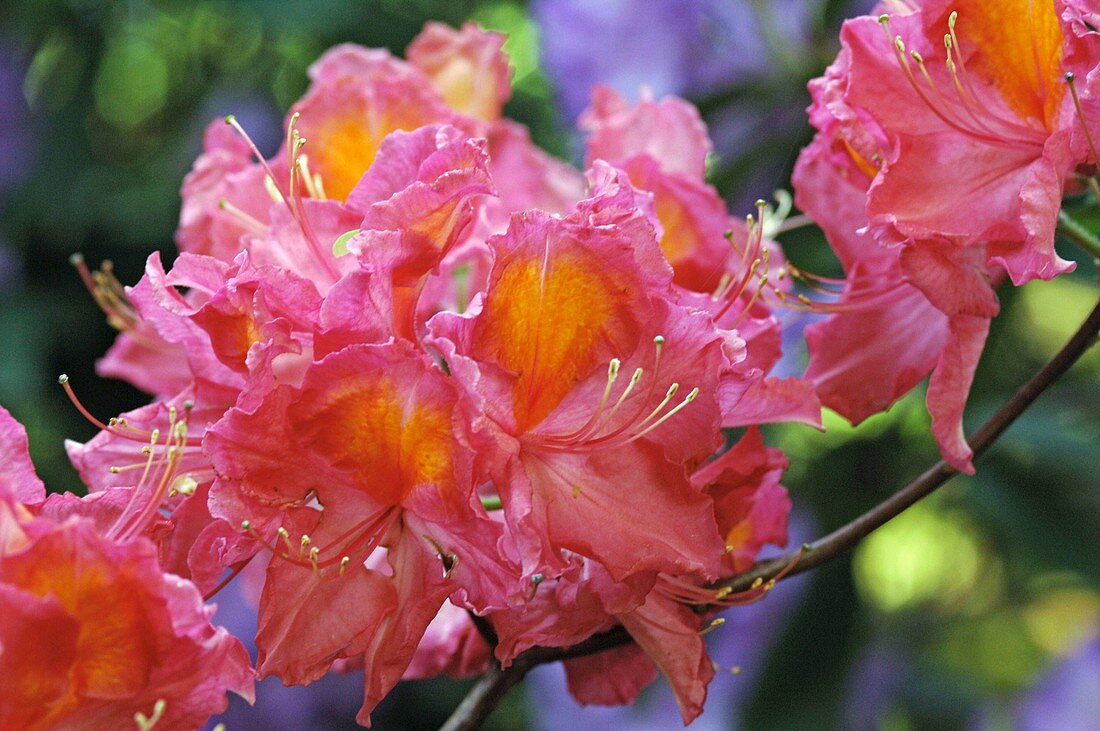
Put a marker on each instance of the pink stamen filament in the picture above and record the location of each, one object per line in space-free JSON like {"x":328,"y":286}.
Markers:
{"x":1026,"y":135}
{"x":293,"y":199}
{"x":116,"y":425}
{"x":368,"y":534}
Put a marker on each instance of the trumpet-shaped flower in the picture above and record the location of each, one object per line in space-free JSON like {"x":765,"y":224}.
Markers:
{"x":371,"y":525}
{"x":980,"y":128}
{"x":92,"y":633}
{"x":904,"y":311}
{"x":581,"y":362}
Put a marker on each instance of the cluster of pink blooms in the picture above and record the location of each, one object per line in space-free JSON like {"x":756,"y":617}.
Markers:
{"x":412,"y":370}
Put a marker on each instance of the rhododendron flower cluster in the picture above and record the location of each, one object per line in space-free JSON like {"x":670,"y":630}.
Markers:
{"x":448,"y":399}
{"x":947,"y":133}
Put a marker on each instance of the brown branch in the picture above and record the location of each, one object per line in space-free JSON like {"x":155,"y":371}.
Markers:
{"x":846,"y":537}
{"x":486,"y":694}
{"x":494,"y":685}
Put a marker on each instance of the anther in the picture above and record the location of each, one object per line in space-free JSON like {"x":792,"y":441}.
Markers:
{"x":344,"y":564}
{"x":304,"y":544}
{"x":1070,"y":78}
{"x":714,"y":624}
{"x":146,"y":723}
{"x":185,"y":485}
{"x":536,"y":579}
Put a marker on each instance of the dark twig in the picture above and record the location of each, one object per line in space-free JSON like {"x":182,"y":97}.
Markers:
{"x":847,"y":536}
{"x":486,"y":694}
{"x":495,"y":684}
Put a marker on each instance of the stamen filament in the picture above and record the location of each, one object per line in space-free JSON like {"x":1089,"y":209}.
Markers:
{"x":1071,"y":83}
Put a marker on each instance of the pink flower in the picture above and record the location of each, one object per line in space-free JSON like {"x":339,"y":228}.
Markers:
{"x":358,"y":96}
{"x":418,"y":202}
{"x":662,"y":146}
{"x":723,"y":264}
{"x":379,"y":501}
{"x":123,"y":638}
{"x":451,"y":645}
{"x":751,"y":509}
{"x":980,"y":134}
{"x":904,"y":310}
{"x":581,"y":361}
{"x":750,"y":505}
{"x":225,"y":171}
{"x":669,"y":131}
{"x":467,"y":67}
{"x":92,"y":631}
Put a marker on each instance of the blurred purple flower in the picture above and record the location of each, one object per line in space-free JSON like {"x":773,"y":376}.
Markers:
{"x":876,"y":679}
{"x":741,"y":643}
{"x":11,"y":269}
{"x":685,"y":47}
{"x":16,"y":125}
{"x":330,"y":703}
{"x":698,"y":49}
{"x":1067,"y":697}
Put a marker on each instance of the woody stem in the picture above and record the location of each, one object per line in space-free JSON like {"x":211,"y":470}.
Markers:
{"x":847,"y":536}
{"x":494,"y":685}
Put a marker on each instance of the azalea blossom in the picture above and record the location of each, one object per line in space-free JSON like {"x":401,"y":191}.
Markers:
{"x":125,"y":640}
{"x":436,"y":399}
{"x":916,"y":92}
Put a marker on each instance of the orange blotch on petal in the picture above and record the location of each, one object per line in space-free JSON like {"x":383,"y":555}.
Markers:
{"x":546,"y":320}
{"x":679,"y":239}
{"x":345,"y":122}
{"x":114,"y":652}
{"x":342,"y":150}
{"x":1020,"y":43}
{"x":390,"y":444}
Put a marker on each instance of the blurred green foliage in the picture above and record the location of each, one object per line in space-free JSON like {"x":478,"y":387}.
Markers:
{"x":975,"y":591}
